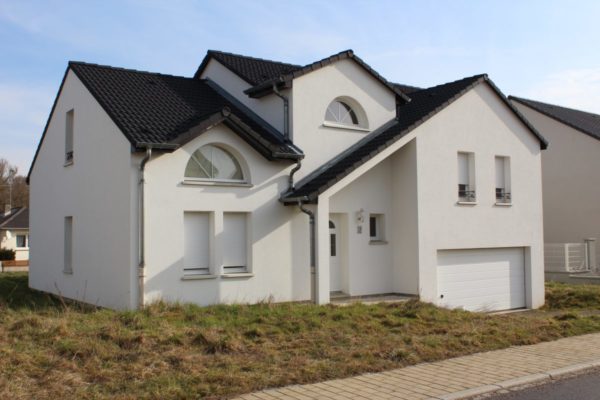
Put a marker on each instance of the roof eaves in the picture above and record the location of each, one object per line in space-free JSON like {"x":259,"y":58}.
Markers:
{"x":266,"y":87}
{"x":543,"y":141}
{"x":13,"y":216}
{"x":530,"y":104}
{"x":101,"y":102}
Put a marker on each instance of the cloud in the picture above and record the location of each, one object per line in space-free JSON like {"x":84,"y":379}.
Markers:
{"x":574,"y":88}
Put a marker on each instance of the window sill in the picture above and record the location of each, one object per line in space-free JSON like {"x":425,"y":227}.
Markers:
{"x":466,"y":203}
{"x":188,"y":182}
{"x":237,"y":275}
{"x":348,"y":127}
{"x":378,"y":242}
{"x":198,"y":277}
{"x":67,"y":272}
{"x":68,"y":163}
{"x":503,"y":204}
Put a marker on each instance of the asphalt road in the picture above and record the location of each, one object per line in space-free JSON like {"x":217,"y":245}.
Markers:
{"x":580,"y":387}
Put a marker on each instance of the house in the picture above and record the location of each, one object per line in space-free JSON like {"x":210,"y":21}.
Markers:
{"x":570,"y":178}
{"x":255,"y":180}
{"x":14,"y":231}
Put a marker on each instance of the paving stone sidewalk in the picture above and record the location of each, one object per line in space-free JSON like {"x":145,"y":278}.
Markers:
{"x":455,"y":378}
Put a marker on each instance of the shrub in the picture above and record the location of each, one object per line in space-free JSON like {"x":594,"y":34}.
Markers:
{"x":7,"y":254}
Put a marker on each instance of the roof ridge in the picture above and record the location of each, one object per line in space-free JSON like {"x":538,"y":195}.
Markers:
{"x":252,"y":58}
{"x":87,"y":64}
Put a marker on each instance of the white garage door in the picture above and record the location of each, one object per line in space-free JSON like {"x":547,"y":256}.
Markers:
{"x":481,"y":279}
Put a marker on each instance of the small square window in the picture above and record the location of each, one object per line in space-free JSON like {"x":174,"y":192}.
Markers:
{"x":22,"y":241}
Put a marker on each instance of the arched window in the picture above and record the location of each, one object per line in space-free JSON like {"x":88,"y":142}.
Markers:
{"x":345,"y":112}
{"x":341,"y":113}
{"x":214,"y":163}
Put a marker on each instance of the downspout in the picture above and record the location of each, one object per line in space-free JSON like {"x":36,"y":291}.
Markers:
{"x":141,"y":233}
{"x":286,"y":112}
{"x":313,"y":276}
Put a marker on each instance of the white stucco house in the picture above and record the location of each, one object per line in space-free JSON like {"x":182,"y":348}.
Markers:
{"x":570,"y":173}
{"x":258,"y":180}
{"x":14,"y":231}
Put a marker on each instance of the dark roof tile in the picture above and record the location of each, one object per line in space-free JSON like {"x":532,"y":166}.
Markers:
{"x":252,"y":70}
{"x":18,"y":218}
{"x":585,"y":122}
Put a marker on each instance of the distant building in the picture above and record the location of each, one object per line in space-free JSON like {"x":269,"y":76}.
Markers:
{"x":14,"y":231}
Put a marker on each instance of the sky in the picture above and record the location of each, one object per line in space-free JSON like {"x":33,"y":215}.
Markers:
{"x":545,"y":50}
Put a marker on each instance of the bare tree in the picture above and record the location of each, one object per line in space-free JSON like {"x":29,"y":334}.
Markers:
{"x":13,"y":187}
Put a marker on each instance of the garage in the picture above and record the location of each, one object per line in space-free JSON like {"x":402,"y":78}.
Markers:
{"x":482,"y":279}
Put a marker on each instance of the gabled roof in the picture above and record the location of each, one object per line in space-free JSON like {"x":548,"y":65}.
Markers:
{"x":585,"y":122}
{"x":425,"y":103}
{"x":252,"y":70}
{"x":164,"y":111}
{"x":263,"y":74}
{"x":18,"y":218}
{"x":407,"y":89}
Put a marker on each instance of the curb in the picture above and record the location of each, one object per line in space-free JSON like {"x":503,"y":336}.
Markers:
{"x":520,"y":381}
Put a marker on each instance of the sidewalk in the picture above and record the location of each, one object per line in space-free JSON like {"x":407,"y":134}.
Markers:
{"x":455,"y":378}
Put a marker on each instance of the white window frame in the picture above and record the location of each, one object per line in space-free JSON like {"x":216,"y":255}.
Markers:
{"x":379,"y":221}
{"x":68,"y":245}
{"x":190,"y":269}
{"x":26,"y":241}
{"x":467,"y":190}
{"x":502,"y":187}
{"x":69,"y":137}
{"x":362,"y":123}
{"x":236,"y":270}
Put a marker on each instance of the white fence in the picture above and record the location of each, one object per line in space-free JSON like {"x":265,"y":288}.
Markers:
{"x":566,"y":257}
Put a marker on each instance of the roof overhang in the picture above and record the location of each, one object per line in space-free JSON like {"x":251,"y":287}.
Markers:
{"x":285,"y":81}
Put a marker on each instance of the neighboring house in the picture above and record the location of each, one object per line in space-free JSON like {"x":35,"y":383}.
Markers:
{"x":205,"y":189}
{"x":14,"y":231}
{"x":570,"y":171}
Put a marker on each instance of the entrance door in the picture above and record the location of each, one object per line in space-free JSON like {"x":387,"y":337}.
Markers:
{"x":335,"y":268}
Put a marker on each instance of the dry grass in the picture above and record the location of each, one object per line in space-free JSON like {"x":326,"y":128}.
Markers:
{"x":51,"y":350}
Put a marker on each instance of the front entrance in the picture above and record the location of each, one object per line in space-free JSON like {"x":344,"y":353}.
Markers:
{"x":335,"y":265}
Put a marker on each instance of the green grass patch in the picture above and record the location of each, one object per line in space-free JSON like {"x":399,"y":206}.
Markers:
{"x":52,"y":349}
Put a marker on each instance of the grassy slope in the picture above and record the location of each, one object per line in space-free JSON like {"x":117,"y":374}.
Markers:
{"x":52,"y":350}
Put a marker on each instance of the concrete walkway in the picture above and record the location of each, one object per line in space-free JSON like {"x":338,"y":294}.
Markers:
{"x":456,"y":378}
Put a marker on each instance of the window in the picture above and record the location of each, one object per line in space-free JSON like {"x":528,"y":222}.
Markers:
{"x":22,"y":241}
{"x":213,"y":163}
{"x":503,"y":194}
{"x":376,"y":227}
{"x":332,"y":239}
{"x":68,"y":250}
{"x":196,"y":243}
{"x":466,"y":177}
{"x":345,"y":113}
{"x":341,"y":113}
{"x":69,"y":124}
{"x":234,"y":243}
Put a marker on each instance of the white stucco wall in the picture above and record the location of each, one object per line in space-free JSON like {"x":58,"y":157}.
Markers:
{"x":278,"y":246}
{"x":571,"y":181}
{"x":8,"y":240}
{"x":367,"y":265}
{"x":479,"y":122}
{"x":270,"y":107}
{"x":313,"y":92}
{"x":96,"y":191}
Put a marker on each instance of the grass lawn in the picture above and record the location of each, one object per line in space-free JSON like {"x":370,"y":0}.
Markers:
{"x":51,"y":350}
